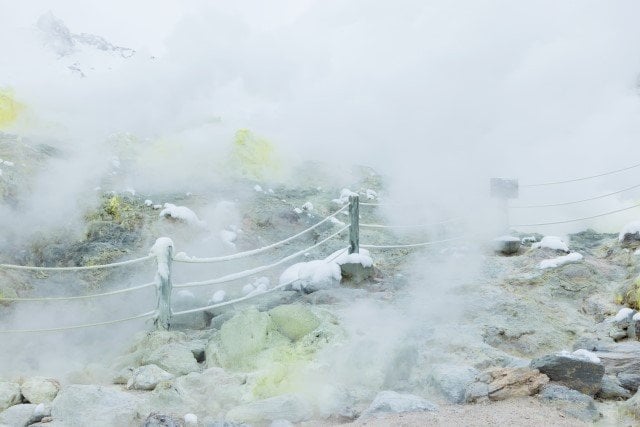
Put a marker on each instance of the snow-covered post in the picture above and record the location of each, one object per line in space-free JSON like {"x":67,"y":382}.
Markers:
{"x":163,"y":251}
{"x":354,"y":228}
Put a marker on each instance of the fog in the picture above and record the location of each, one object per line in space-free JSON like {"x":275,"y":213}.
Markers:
{"x":436,"y":96}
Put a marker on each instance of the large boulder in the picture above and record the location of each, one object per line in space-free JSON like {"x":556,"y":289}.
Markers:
{"x":452,"y":380}
{"x":147,"y":377}
{"x":39,"y":389}
{"x":175,"y":358}
{"x":577,"y":370}
{"x":288,"y":407}
{"x":570,"y":402}
{"x":81,"y":405}
{"x":22,"y":415}
{"x":506,"y":383}
{"x":294,"y":321}
{"x":396,"y":403}
{"x":9,"y":394}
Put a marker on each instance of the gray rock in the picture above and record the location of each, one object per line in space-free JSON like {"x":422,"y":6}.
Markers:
{"x":618,"y":358}
{"x":160,"y":420}
{"x":20,"y":415}
{"x":9,"y":394}
{"x":39,"y":389}
{"x":287,"y":406}
{"x":632,"y":406}
{"x":507,"y":245}
{"x":629,"y":380}
{"x":476,"y":392}
{"x":356,"y":272}
{"x":175,"y":358}
{"x":147,"y":377}
{"x":570,"y":402}
{"x":630,"y":240}
{"x":452,"y":380}
{"x":81,"y":405}
{"x":576,"y":373}
{"x":396,"y":403}
{"x":612,"y":389}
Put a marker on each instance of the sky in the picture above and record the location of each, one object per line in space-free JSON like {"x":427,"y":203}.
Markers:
{"x":438,"y":95}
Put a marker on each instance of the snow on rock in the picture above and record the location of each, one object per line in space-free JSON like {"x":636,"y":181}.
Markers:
{"x":257,"y":188}
{"x":343,"y":257}
{"x":297,"y":210}
{"x":190,"y":420}
{"x":551,"y":242}
{"x":311,"y":276}
{"x":336,"y":221}
{"x":636,"y":317}
{"x":344,"y":196}
{"x":228,"y":237}
{"x":630,"y":231}
{"x":624,"y":314}
{"x":559,"y":261}
{"x":181,"y":213}
{"x":157,"y":207}
{"x":148,"y":203}
{"x":218,"y":296}
{"x":371,"y":195}
{"x":581,"y":354}
{"x":247,"y":289}
{"x":308,"y":206}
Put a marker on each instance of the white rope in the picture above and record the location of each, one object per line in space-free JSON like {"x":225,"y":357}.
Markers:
{"x":577,"y":219}
{"x":259,"y":250}
{"x":583,"y":178}
{"x":247,"y":273}
{"x":87,"y":325}
{"x":119,"y":291}
{"x":88,"y":267}
{"x":233,"y":301}
{"x":410,"y":226}
{"x":575,"y":201}
{"x":413,"y":245}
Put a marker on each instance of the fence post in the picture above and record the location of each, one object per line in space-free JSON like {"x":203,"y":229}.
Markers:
{"x":163,"y":250}
{"x":354,"y":228}
{"x":503,"y":190}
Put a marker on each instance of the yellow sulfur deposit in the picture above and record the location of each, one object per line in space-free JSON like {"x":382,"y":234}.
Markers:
{"x":254,"y":157}
{"x":9,"y":108}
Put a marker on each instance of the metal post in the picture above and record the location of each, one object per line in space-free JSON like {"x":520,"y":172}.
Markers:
{"x":354,"y":228}
{"x":503,"y":190}
{"x":163,"y":250}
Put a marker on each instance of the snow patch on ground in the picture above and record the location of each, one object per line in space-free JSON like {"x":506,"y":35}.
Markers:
{"x":562,"y":260}
{"x":344,"y":196}
{"x":181,"y":213}
{"x":623,"y":314}
{"x":551,"y":242}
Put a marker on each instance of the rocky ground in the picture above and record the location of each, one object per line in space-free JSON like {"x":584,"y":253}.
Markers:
{"x":459,"y":334}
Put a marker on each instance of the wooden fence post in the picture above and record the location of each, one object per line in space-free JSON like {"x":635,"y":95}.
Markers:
{"x":354,"y":228}
{"x":163,"y":250}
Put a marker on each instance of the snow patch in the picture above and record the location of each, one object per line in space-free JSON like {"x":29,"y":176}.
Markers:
{"x":218,"y":296}
{"x":182,"y":213}
{"x":623,"y":314}
{"x":257,"y":188}
{"x":630,"y":228}
{"x":148,"y":203}
{"x":562,"y":260}
{"x":371,"y":195}
{"x":336,"y":221}
{"x":344,"y":196}
{"x":582,"y":354}
{"x":307,"y":207}
{"x":551,"y":242}
{"x":298,"y":211}
{"x":636,"y":317}
{"x":190,"y":420}
{"x":363,"y":258}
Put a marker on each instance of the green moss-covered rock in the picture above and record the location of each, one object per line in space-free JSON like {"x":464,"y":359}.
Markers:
{"x":294,"y":321}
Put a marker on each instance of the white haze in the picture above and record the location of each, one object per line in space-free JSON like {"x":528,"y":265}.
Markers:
{"x":438,"y":96}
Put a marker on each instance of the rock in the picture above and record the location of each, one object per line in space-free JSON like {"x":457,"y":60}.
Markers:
{"x":476,"y":392}
{"x":123,"y":376}
{"x":574,"y":372}
{"x":508,"y":383}
{"x":213,"y":388}
{"x":600,"y":307}
{"x":101,"y":405}
{"x":612,"y":389}
{"x":39,"y":390}
{"x":147,"y":377}
{"x":507,"y":245}
{"x":632,"y":406}
{"x":20,"y":415}
{"x":393,"y":402}
{"x":571,"y":402}
{"x":629,"y":237}
{"x":175,"y":358}
{"x":452,"y":380}
{"x":629,"y":380}
{"x":9,"y":394}
{"x":287,"y":406}
{"x":294,"y":321}
{"x":355,"y":272}
{"x":617,"y":358}
{"x":160,"y":420}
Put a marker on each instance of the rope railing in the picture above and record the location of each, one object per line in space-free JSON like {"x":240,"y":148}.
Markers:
{"x":182,"y":257}
{"x":543,"y":184}
{"x":80,"y":268}
{"x":251,"y":272}
{"x":414,"y":245}
{"x":80,"y":297}
{"x":447,"y":221}
{"x":577,"y":219}
{"x":86,"y":325}
{"x":575,"y":201}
